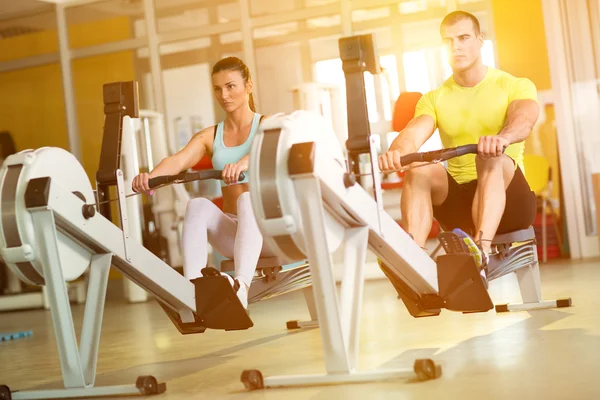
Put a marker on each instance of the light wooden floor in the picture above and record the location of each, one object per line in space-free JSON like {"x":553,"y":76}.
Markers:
{"x":550,"y":354}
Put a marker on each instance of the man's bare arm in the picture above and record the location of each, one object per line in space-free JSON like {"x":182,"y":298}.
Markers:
{"x":417,"y":131}
{"x":521,"y":116}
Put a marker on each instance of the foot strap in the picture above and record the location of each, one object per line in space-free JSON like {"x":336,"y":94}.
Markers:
{"x":217,"y":302}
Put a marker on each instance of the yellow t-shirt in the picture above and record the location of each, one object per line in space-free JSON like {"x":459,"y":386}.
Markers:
{"x":464,"y":114}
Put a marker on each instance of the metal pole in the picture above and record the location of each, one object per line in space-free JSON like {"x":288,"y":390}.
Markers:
{"x":154,"y":56}
{"x":248,"y":43}
{"x":346,"y":11}
{"x":67,"y":79}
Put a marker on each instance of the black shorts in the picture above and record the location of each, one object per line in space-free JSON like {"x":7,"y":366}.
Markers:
{"x":455,"y":211}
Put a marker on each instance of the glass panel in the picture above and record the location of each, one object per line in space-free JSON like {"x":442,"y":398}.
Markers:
{"x":370,"y":14}
{"x":231,"y":37}
{"x":28,"y":36}
{"x":275,"y":30}
{"x":330,"y":71}
{"x":264,"y":7}
{"x":324,"y":48}
{"x":412,"y":6}
{"x":186,"y":19}
{"x":324,"y":22}
{"x":391,"y":88}
{"x":316,"y":3}
{"x":416,"y":71}
{"x":228,"y":12}
{"x":189,"y":101}
{"x":102,"y":22}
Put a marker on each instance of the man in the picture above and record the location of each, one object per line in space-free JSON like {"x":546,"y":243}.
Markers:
{"x":481,"y":194}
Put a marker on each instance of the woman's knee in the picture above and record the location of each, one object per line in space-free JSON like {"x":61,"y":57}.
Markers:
{"x":244,"y":201}
{"x":199,"y":207}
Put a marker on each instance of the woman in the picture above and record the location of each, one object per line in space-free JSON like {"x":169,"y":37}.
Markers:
{"x":233,"y":232}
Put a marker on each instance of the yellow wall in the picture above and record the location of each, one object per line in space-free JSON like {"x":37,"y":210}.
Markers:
{"x":522,"y":51}
{"x":32,"y":102}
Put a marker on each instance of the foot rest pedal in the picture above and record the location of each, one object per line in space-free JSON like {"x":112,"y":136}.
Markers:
{"x":184,"y":328}
{"x":411,"y":300}
{"x":217,"y":303}
{"x":460,"y":284}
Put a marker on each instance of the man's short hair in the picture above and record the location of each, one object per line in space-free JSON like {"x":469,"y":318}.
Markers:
{"x":456,"y":16}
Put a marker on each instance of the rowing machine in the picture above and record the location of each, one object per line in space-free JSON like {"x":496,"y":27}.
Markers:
{"x":307,"y":203}
{"x":53,"y":228}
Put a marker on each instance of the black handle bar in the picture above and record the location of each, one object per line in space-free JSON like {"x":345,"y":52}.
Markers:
{"x":188,"y":177}
{"x":439,"y":155}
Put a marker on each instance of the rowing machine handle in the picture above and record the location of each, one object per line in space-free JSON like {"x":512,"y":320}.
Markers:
{"x":470,"y":149}
{"x":160,"y":180}
{"x":466,"y":149}
{"x":207,"y":174}
{"x":188,"y":177}
{"x":439,"y":155}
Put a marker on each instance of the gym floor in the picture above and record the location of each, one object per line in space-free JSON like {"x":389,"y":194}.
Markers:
{"x":546,"y":354}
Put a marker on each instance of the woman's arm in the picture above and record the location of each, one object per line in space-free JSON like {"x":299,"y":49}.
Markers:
{"x":187,"y":157}
{"x":184,"y":159}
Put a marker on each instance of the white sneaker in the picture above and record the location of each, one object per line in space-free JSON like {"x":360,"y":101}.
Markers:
{"x":242,"y":293}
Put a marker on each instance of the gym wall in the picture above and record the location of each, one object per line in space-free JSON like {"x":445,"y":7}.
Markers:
{"x":521,"y":49}
{"x":32,"y":105}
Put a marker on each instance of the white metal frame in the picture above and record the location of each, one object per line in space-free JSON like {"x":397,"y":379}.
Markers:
{"x":107,"y":245}
{"x":339,"y":321}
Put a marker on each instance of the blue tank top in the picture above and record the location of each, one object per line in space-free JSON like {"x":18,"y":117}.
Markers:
{"x":223,"y":155}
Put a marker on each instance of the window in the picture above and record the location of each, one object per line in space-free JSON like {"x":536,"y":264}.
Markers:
{"x":330,"y":71}
{"x":416,"y":71}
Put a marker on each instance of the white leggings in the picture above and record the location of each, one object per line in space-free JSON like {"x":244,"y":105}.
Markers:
{"x":233,"y":237}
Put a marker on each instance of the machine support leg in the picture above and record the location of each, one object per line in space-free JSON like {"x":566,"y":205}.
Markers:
{"x":78,"y":368}
{"x":58,"y":297}
{"x":355,"y":257}
{"x":324,"y":287}
{"x":94,"y":311}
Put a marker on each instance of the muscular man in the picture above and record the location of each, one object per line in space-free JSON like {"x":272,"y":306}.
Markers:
{"x":481,"y":194}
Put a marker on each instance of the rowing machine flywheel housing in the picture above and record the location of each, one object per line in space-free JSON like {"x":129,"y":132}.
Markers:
{"x":18,"y":245}
{"x":274,"y":199}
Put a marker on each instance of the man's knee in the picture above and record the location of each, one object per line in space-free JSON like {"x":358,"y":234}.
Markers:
{"x":491,"y":162}
{"x":419,"y":176}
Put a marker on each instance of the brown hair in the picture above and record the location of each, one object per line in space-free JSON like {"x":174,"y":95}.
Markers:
{"x":456,"y":16}
{"x":235,"y":64}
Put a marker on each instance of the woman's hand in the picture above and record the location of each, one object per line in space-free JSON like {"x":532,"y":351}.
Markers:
{"x":232,"y":172}
{"x":140,"y":184}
